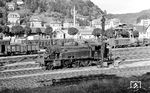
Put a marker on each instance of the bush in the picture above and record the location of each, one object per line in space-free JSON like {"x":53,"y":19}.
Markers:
{"x":110,"y":33}
{"x":38,"y":31}
{"x":72,"y":31}
{"x":48,"y":31}
{"x":6,"y":30}
{"x":27,"y":30}
{"x":135,"y":33}
{"x":97,"y":32}
{"x":17,"y":30}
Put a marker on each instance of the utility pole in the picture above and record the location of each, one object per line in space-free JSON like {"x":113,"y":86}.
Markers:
{"x":74,"y":16}
{"x":102,"y":39}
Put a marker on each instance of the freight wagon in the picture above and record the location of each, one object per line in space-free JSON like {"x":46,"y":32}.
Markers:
{"x":123,"y":42}
{"x":6,"y":48}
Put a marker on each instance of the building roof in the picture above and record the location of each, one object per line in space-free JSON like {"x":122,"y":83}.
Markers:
{"x":10,"y":3}
{"x":141,"y":29}
{"x":20,"y":12}
{"x":36,"y":18}
{"x":34,"y":30}
{"x":86,"y":31}
{"x":14,"y":13}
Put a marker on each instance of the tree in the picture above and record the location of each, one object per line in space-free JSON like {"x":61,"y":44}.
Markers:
{"x":135,"y":34}
{"x":72,"y":31}
{"x":97,"y":32}
{"x":48,"y":31}
{"x":2,"y":3}
{"x":27,"y":30}
{"x":125,"y":34}
{"x":38,"y":31}
{"x":6,"y":30}
{"x":1,"y":29}
{"x":17,"y":30}
{"x":110,"y":33}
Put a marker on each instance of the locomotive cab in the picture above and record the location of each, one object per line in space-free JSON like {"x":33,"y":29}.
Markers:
{"x":97,"y":50}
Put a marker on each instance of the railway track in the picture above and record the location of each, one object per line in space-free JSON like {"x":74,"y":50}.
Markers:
{"x":132,"y":53}
{"x":49,"y":77}
{"x":16,"y":59}
{"x":31,"y":75}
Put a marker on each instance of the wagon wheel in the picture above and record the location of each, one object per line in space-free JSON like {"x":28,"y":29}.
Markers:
{"x":75,"y":64}
{"x":66,"y":64}
{"x":49,"y":66}
{"x":84,"y":63}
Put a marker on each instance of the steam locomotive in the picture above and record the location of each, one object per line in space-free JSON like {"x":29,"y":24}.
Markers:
{"x":75,"y":56}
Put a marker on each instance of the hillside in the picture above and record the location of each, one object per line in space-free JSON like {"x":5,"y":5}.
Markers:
{"x":64,"y":7}
{"x":131,"y":17}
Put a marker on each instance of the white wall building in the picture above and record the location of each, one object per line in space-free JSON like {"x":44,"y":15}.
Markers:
{"x":19,"y":2}
{"x":11,"y":6}
{"x":86,"y":33}
{"x":36,"y":22}
{"x":13,"y":18}
{"x":108,"y":23}
{"x":112,"y":23}
{"x":143,"y":31}
{"x":144,"y":22}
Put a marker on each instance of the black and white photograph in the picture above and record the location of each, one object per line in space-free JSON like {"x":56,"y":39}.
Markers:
{"x":74,"y":46}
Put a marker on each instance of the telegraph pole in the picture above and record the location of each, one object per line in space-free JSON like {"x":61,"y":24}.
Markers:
{"x":74,"y":16}
{"x":102,"y":39}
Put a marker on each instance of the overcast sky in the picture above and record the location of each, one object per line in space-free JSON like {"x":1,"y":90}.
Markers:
{"x":122,"y":6}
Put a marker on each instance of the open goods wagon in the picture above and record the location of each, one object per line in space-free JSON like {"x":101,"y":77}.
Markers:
{"x":43,"y":43}
{"x":123,"y":42}
{"x":6,"y":48}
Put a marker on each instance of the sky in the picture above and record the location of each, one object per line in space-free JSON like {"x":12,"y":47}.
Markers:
{"x":122,"y":6}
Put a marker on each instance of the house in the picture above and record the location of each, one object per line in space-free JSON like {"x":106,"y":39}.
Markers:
{"x":59,"y":34}
{"x":63,"y":34}
{"x":144,"y":28}
{"x":11,"y":6}
{"x":125,"y":27}
{"x":69,"y":23}
{"x":81,"y":17}
{"x":52,"y":22}
{"x":96,"y":23}
{"x":34,"y":30}
{"x":144,"y":22}
{"x":109,"y":23}
{"x":112,"y":23}
{"x":13,"y":18}
{"x":19,"y":2}
{"x":85,"y":33}
{"x":55,"y":24}
{"x":143,"y":31}
{"x":36,"y":21}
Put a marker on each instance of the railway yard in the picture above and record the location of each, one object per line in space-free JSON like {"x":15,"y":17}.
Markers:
{"x":26,"y":72}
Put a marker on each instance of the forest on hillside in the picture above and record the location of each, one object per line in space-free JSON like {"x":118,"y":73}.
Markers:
{"x":58,"y":8}
{"x":62,"y":7}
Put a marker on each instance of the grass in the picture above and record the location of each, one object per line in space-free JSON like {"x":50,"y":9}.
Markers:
{"x":94,"y":84}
